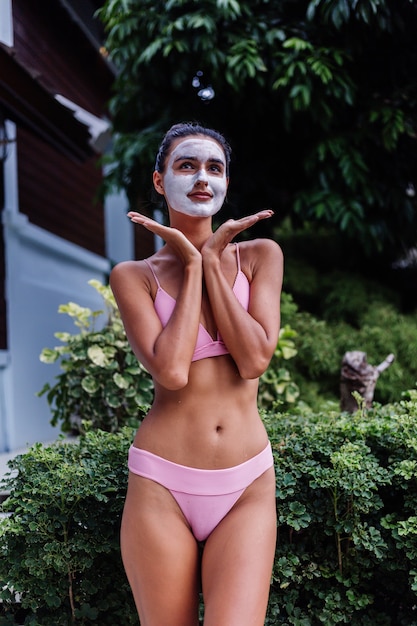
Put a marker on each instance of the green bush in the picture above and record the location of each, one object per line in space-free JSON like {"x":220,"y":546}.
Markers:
{"x":347,"y":502}
{"x":346,"y":489}
{"x":276,"y":388}
{"x":59,"y":548}
{"x":102,"y":381}
{"x":331,"y":278}
{"x":348,"y":297}
{"x":320,"y":346}
{"x":384,"y":330}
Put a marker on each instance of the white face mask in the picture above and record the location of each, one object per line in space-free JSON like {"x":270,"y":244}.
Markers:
{"x":195,"y":180}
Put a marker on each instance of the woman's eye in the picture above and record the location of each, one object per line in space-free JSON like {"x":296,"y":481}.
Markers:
{"x":212,"y":168}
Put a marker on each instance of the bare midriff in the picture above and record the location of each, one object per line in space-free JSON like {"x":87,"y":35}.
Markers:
{"x":212,"y":423}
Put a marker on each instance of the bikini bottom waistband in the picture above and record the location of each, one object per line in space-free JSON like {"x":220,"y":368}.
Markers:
{"x":199,"y":481}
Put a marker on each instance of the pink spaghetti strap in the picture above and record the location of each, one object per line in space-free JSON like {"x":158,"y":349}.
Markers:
{"x":149,"y":264}
{"x":237,"y":257}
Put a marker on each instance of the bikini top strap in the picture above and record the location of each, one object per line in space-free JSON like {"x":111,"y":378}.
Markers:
{"x":237,"y":256}
{"x":149,"y":264}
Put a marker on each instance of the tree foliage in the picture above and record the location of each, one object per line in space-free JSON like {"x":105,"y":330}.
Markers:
{"x":317,"y":98}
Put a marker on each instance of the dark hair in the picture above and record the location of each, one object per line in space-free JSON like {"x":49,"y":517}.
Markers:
{"x":185,"y":129}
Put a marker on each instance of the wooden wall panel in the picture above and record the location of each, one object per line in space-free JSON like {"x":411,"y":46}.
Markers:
{"x":58,"y":194}
{"x":144,"y":243}
{"x":49,"y":42}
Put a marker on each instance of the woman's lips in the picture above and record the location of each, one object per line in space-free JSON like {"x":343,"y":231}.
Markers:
{"x":200,"y":195}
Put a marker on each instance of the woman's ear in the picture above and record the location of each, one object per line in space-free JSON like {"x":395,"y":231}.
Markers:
{"x":157,"y":182}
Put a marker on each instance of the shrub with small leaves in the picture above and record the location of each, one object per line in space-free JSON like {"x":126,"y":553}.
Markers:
{"x":102,"y":381}
{"x":346,"y":494}
{"x":60,"y":561}
{"x":346,"y":502}
{"x":276,"y":386}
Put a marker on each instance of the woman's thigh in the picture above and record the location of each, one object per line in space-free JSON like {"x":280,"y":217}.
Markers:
{"x":238,"y":559}
{"x":160,"y":556}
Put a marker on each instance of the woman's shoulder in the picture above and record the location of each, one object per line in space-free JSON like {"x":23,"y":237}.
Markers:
{"x":261,"y":247}
{"x":260,"y":257}
{"x":127,"y":272}
{"x":128,"y":267}
{"x":140,"y":271}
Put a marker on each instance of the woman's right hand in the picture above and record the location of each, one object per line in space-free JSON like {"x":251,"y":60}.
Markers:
{"x":177,"y":241}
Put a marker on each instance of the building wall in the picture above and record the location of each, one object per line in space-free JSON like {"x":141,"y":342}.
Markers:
{"x":55,"y":192}
{"x":52,"y":44}
{"x":53,"y":238}
{"x":44,"y":271}
{"x":3,"y":336}
{"x":58,"y":194}
{"x":6,"y":37}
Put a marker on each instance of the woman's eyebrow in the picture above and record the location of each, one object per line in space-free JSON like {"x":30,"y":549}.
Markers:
{"x":184,"y":157}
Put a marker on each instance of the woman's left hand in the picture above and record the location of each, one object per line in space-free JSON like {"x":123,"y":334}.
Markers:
{"x":229,"y":229}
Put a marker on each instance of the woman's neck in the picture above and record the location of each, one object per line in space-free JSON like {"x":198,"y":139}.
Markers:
{"x":197,"y":230}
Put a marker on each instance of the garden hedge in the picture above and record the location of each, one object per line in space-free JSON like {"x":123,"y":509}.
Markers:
{"x":347,"y":524}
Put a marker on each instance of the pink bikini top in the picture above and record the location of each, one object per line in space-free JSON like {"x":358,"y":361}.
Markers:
{"x":206,"y":346}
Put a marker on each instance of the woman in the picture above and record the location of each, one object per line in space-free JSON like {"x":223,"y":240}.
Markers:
{"x":202,"y":315}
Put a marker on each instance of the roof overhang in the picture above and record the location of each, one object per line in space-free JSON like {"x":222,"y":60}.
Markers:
{"x":26,"y":102}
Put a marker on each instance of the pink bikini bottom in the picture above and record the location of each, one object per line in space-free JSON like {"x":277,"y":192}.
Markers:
{"x":204,"y":496}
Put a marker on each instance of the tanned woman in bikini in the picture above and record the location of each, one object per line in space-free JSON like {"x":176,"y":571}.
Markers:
{"x":202,"y":315}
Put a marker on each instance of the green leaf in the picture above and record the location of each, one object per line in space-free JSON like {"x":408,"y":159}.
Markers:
{"x":97,"y":355}
{"x":121,"y":381}
{"x":49,"y":356}
{"x":90,"y":384}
